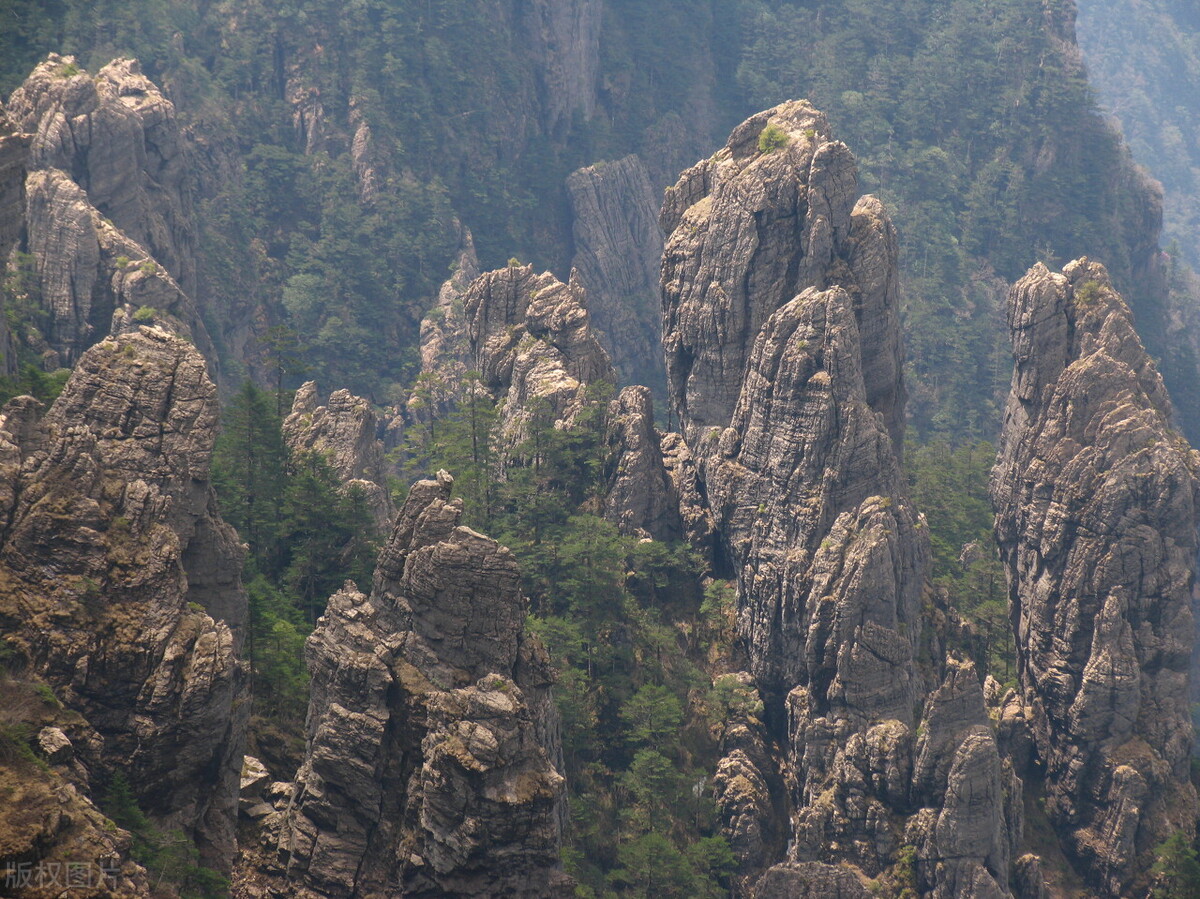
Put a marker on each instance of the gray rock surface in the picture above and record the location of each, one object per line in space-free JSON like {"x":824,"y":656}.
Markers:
{"x":447,"y":362}
{"x":117,"y":137}
{"x":532,"y":342}
{"x":109,"y":218}
{"x":564,"y":40}
{"x":681,"y":468}
{"x":432,"y":755}
{"x":121,"y":582}
{"x":1096,"y":508}
{"x":641,"y":499}
{"x":618,"y":253}
{"x":963,"y":842}
{"x":748,"y":230}
{"x":344,"y":431}
{"x":784,"y":353}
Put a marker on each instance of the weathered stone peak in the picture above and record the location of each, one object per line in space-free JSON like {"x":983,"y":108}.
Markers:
{"x":432,"y":759}
{"x":770,"y":214}
{"x":803,"y":475}
{"x":445,"y":349}
{"x":506,"y":307}
{"x":784,"y":357}
{"x":532,"y":343}
{"x":1096,"y":500}
{"x":108,"y":217}
{"x":121,"y":582}
{"x":117,"y":137}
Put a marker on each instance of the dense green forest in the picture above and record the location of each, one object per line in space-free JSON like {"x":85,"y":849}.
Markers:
{"x":955,"y":110}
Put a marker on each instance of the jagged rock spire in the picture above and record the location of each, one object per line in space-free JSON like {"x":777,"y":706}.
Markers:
{"x":1096,"y":497}
{"x":782,"y":333}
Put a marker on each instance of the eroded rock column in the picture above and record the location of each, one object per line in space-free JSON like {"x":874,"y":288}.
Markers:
{"x":1096,"y":506}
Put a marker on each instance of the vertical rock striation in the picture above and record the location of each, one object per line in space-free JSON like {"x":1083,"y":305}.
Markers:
{"x":1096,"y":509}
{"x":749,"y":229}
{"x":618,"y":253}
{"x":119,"y":582}
{"x":563,"y":37}
{"x":432,"y":760}
{"x":782,"y":337}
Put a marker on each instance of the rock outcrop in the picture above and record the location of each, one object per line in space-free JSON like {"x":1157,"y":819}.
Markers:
{"x":119,"y":582}
{"x":533,"y":345}
{"x":618,"y":253}
{"x":768,"y":215}
{"x":446,"y":358}
{"x":1096,"y":509}
{"x":344,"y":431}
{"x":116,"y":136}
{"x":969,"y":819}
{"x":109,"y":219}
{"x":641,"y":498}
{"x":50,"y":824}
{"x":432,"y":763}
{"x":783,"y":346}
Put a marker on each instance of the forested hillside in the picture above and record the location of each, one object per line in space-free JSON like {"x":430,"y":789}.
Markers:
{"x":342,"y":148}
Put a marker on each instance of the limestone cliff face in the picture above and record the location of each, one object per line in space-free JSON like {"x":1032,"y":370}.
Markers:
{"x":784,"y":356}
{"x":109,"y":218}
{"x":432,"y":760}
{"x":618,"y":252}
{"x":1096,"y":508}
{"x":564,"y":40}
{"x":120,"y":582}
{"x":344,"y":431}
